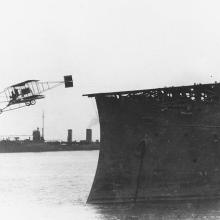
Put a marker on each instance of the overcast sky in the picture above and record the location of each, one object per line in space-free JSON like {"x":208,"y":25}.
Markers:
{"x":106,"y":46}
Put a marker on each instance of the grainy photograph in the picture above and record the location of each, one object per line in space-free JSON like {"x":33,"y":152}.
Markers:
{"x":109,"y":110}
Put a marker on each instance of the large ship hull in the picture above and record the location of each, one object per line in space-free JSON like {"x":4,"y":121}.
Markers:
{"x":161,"y":144}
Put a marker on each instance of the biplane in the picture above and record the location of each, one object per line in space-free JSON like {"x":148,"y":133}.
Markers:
{"x":28,"y":92}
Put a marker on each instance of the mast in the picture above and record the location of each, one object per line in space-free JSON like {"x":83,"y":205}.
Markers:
{"x":43,"y":126}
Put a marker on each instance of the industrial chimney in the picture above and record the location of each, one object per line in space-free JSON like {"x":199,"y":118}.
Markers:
{"x":69,"y":136}
{"x":88,"y":135}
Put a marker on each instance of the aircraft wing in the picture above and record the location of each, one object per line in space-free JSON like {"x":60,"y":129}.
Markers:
{"x":24,"y":83}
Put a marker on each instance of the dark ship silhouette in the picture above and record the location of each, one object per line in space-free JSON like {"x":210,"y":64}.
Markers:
{"x":38,"y":144}
{"x":158,"y":144}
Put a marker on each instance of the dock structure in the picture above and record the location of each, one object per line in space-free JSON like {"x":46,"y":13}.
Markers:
{"x":158,"y":144}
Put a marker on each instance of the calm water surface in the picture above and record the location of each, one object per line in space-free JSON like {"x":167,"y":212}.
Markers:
{"x":55,"y":185}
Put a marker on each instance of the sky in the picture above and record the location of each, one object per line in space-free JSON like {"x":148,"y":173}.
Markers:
{"x":106,"y":46}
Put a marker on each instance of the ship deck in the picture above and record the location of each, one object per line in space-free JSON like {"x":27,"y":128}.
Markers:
{"x":165,"y":89}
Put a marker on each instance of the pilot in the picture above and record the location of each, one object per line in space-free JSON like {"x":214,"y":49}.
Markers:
{"x":26,"y":91}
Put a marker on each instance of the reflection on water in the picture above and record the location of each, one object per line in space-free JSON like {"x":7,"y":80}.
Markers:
{"x":55,"y":185}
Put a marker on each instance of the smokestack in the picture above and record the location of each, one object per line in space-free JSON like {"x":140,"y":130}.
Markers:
{"x":69,"y":136}
{"x":89,"y":135}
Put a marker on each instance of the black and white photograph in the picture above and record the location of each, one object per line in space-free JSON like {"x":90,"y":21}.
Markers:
{"x":110,"y":110}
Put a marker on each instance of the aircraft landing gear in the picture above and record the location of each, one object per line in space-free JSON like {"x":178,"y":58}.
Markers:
{"x":33,"y":102}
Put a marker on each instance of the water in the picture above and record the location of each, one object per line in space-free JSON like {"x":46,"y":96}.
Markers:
{"x":55,"y":185}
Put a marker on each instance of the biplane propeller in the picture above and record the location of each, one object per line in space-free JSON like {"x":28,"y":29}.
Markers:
{"x":26,"y":93}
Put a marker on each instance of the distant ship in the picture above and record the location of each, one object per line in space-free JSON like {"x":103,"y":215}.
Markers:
{"x":158,"y":144}
{"x":37,"y":144}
